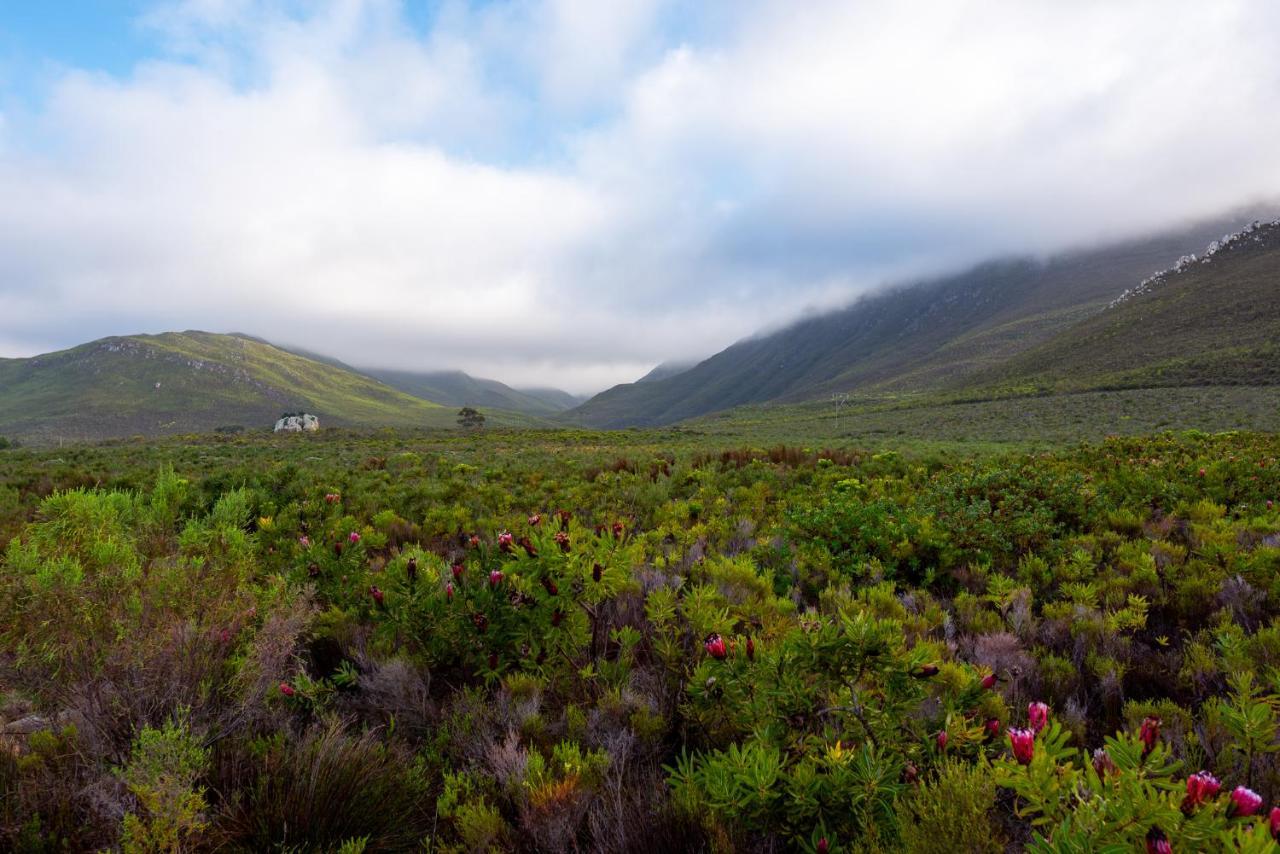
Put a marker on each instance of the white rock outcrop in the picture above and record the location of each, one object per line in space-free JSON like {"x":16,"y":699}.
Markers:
{"x":298,"y":424}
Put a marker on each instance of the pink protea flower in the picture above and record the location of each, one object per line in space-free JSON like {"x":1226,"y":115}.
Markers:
{"x":304,"y":541}
{"x":1201,"y":786}
{"x":1038,"y":716}
{"x":1023,"y":743}
{"x":353,"y":537}
{"x":448,"y":591}
{"x":1103,"y":764}
{"x":527,"y":544}
{"x":562,"y":540}
{"x":751,"y":649}
{"x":1244,"y":802}
{"x":535,"y":519}
{"x":332,"y":498}
{"x":715,"y":647}
{"x":458,"y":569}
{"x":989,"y":681}
{"x":506,"y":541}
{"x":823,"y":846}
{"x":377,"y":594}
{"x":474,"y":541}
{"x":993,"y":728}
{"x":1274,"y":820}
{"x":618,"y":529}
{"x":287,"y":689}
{"x":563,"y":516}
{"x":1150,"y":734}
{"x":495,"y":578}
{"x":942,"y":739}
{"x":1157,"y":842}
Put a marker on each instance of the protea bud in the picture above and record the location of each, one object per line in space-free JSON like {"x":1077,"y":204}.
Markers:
{"x":550,"y":586}
{"x":751,"y":649}
{"x":337,"y":549}
{"x":313,"y":569}
{"x":505,"y":542}
{"x":1038,"y":716}
{"x":562,"y":540}
{"x":353,"y":537}
{"x":993,"y":728}
{"x":715,"y":647}
{"x":458,"y":569}
{"x":1150,"y":734}
{"x":377,"y":594}
{"x":1275,"y":823}
{"x":618,"y":530}
{"x":1103,"y":764}
{"x":448,"y":591}
{"x":535,"y":520}
{"x":942,"y":739}
{"x":480,"y":621}
{"x":333,"y":498}
{"x":527,"y":545}
{"x":411,"y":570}
{"x":989,"y":681}
{"x":493,"y":661}
{"x":556,"y":617}
{"x":1157,"y":842}
{"x":823,"y":846}
{"x":1244,"y":802}
{"x":910,"y":773}
{"x":287,"y":689}
{"x":1023,"y":742}
{"x":474,"y":541}
{"x":926,"y":671}
{"x":495,"y":578}
{"x":597,"y":572}
{"x":1201,"y":786}
{"x":564,"y":516}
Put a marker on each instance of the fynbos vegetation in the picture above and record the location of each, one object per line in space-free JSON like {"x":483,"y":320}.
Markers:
{"x":553,"y":644}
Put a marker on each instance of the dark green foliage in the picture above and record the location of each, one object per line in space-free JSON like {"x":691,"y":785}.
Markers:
{"x":247,"y":644}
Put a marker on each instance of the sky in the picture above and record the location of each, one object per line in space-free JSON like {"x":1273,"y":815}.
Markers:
{"x":567,"y":192}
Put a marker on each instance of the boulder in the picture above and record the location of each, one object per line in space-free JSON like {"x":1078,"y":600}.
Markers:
{"x":304,"y":423}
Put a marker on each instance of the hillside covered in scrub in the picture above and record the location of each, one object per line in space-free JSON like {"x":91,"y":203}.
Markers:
{"x":194,"y":382}
{"x":556,"y":641}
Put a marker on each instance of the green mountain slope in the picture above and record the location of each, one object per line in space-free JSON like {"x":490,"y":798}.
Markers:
{"x":929,"y":336}
{"x":455,"y":388}
{"x":1211,"y":320}
{"x":192,"y":382}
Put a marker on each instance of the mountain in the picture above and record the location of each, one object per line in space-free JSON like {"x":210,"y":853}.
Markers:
{"x":1210,"y":319}
{"x":938,"y":335}
{"x":193,"y":382}
{"x":666,"y":370}
{"x":455,"y":388}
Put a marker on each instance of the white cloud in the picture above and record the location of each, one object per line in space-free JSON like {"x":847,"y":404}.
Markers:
{"x":563,"y":192}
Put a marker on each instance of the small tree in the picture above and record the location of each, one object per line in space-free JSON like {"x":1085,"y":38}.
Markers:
{"x":470,"y":418}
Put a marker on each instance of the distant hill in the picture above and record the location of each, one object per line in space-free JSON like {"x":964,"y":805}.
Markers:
{"x":455,"y":388}
{"x":939,"y":336}
{"x":193,"y":382}
{"x":1211,"y":319}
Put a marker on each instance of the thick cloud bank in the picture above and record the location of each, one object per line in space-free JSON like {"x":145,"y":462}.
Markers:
{"x":569,"y":192}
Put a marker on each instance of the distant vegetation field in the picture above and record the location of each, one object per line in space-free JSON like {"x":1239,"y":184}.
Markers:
{"x":701,"y":639}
